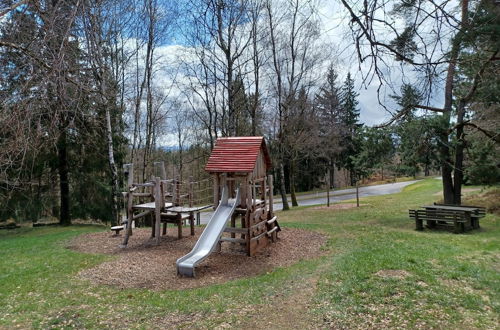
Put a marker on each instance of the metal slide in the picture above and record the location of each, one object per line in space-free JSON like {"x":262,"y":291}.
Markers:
{"x":210,"y":236}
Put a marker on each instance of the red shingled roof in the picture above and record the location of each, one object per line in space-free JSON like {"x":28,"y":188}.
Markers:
{"x":237,"y":154}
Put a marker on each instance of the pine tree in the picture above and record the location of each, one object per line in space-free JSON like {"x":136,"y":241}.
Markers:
{"x":327,"y":103}
{"x":349,"y":118}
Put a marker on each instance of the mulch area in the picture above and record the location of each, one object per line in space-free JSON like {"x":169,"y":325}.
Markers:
{"x":145,"y":265}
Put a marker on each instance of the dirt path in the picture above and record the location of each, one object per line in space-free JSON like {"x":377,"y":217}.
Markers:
{"x":291,"y":311}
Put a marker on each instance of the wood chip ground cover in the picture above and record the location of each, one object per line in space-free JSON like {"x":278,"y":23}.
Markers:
{"x":144,"y":265}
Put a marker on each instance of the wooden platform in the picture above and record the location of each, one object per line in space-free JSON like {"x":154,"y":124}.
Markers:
{"x":180,"y":209}
{"x":150,"y":206}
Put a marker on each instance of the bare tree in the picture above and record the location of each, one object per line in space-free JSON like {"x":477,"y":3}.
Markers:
{"x":423,"y":46}
{"x":293,"y":37}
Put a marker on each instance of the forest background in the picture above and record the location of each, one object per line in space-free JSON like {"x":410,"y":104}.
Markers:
{"x":342,"y":91}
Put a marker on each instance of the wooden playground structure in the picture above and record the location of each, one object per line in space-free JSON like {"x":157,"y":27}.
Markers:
{"x":242,"y":163}
{"x":237,"y":164}
{"x":170,"y":201}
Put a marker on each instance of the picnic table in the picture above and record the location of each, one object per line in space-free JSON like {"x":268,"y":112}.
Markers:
{"x":461,"y":217}
{"x":474,"y":212}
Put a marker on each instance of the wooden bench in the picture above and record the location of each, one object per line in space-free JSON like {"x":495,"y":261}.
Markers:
{"x":479,"y":213}
{"x":459,"y":220}
{"x":117,"y":229}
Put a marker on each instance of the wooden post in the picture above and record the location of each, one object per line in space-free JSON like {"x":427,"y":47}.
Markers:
{"x":179,"y":225}
{"x":216,"y":190}
{"x":264,"y":192}
{"x":233,"y":223}
{"x":328,"y":188}
{"x":357,"y":193}
{"x":249,"y":213}
{"x":271,"y":193}
{"x":158,"y":206}
{"x":254,"y":193}
{"x":129,"y":172}
{"x":177,"y":200}
{"x":191,"y":191}
{"x":160,"y":170}
{"x":419,"y":225}
{"x":191,"y":222}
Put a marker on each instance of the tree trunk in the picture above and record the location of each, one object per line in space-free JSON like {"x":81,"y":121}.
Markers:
{"x":283,"y":188}
{"x":64,"y":214}
{"x":459,"y":155}
{"x":449,"y":189}
{"x":115,"y":188}
{"x":292,"y":183}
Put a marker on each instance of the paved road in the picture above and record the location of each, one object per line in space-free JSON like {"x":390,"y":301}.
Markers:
{"x":336,"y":196}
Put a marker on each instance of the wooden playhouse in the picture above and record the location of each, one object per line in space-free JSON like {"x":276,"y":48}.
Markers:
{"x":243,"y":162}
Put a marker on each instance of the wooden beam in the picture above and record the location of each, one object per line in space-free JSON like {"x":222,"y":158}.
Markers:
{"x":272,"y":230}
{"x":140,"y":215}
{"x":272,"y":220}
{"x":236,"y":230}
{"x":158,"y":206}
{"x":160,"y":170}
{"x":142,"y":195}
{"x":233,"y":240}
{"x":271,"y":193}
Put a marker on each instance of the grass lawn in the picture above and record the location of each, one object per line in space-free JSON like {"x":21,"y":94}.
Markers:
{"x":378,"y":272}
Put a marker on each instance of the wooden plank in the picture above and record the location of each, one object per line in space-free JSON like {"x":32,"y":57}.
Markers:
{"x":147,"y":184}
{"x":236,"y":230}
{"x":140,"y":215}
{"x":151,"y":205}
{"x":272,"y":230}
{"x":233,"y":240}
{"x":258,"y":224}
{"x":258,"y":236}
{"x":142,"y":195}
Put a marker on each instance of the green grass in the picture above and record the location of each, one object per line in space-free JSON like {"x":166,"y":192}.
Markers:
{"x":449,"y":281}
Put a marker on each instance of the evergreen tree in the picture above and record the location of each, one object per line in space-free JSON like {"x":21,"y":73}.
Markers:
{"x":416,"y":143}
{"x":327,"y":103}
{"x":349,"y":119}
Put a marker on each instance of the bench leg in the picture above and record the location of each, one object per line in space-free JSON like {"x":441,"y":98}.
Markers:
{"x":459,"y":227}
{"x":164,"y":229}
{"x":474,"y":222}
{"x":152,"y":229}
{"x":419,"y":224}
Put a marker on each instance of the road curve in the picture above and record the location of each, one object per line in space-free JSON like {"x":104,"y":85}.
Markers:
{"x":335,"y":196}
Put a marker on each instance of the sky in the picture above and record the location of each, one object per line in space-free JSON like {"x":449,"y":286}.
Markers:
{"x":335,"y":33}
